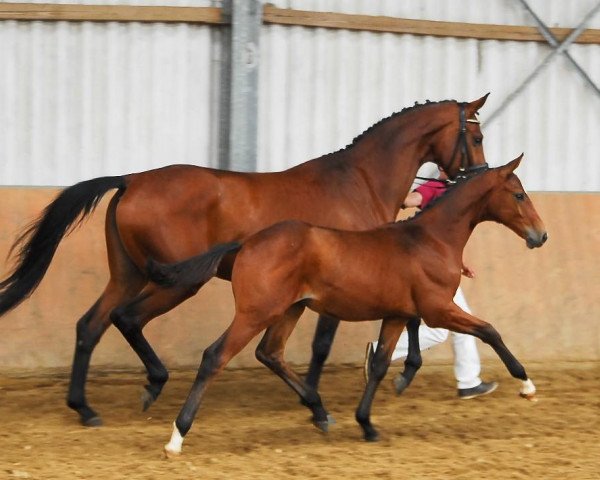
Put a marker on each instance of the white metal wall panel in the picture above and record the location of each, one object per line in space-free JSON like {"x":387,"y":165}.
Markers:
{"x":320,"y":88}
{"x":80,"y":100}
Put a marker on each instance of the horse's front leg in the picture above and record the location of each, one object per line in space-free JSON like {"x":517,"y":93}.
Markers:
{"x":321,"y":346}
{"x":391,"y":328}
{"x":454,"y":318}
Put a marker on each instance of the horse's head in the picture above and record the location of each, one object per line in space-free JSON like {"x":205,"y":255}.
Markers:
{"x":509,"y":204}
{"x":458,"y":146}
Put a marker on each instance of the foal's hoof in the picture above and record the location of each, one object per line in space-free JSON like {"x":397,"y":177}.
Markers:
{"x":529,"y":396}
{"x":400,"y":383}
{"x":92,"y":422}
{"x":171,"y":453}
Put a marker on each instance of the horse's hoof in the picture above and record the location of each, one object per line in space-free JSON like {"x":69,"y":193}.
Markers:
{"x":371,"y":437}
{"x":529,"y":396}
{"x":92,"y":422}
{"x":331,"y":420}
{"x":147,"y":400}
{"x":400,"y":383}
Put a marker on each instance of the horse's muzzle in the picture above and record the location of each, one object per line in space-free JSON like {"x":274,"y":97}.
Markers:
{"x":536,"y":239}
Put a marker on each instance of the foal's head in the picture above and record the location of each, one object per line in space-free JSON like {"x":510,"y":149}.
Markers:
{"x":509,"y":204}
{"x":458,"y":145}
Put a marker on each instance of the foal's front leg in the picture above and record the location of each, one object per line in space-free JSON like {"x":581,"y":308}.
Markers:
{"x":391,"y":328}
{"x":454,"y":318}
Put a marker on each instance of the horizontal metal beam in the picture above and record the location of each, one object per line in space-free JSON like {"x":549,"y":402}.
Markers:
{"x":108,"y":13}
{"x":281,"y":16}
{"x":480,"y":31}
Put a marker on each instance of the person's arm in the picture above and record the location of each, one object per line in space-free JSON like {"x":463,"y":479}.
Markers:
{"x":413,"y":199}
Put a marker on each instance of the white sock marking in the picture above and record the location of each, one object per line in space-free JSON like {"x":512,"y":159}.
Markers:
{"x":174,"y":445}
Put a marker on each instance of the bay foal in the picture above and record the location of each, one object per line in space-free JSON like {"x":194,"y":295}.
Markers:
{"x":398,"y":272}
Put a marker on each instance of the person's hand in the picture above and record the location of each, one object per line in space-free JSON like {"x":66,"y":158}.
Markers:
{"x":468,"y":272}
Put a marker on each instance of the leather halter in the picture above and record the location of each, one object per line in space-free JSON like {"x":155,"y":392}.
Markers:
{"x":466,"y":168}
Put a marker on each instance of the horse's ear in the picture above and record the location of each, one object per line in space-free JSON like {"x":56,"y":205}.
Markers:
{"x":475,"y":105}
{"x":511,"y":166}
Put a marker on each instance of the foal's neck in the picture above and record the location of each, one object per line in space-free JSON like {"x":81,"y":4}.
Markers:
{"x":453,"y":220}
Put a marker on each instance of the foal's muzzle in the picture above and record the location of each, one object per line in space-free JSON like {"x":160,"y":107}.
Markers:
{"x":536,"y":239}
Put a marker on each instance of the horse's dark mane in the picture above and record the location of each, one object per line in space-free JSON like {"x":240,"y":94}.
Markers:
{"x":404,"y":111}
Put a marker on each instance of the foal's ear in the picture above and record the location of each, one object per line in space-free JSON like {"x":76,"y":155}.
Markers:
{"x":511,"y":166}
{"x":475,"y":105}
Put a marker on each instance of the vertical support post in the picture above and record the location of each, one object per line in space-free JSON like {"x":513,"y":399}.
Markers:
{"x":239,"y":76}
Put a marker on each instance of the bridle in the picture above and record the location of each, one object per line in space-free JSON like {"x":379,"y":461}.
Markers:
{"x":466,"y":168}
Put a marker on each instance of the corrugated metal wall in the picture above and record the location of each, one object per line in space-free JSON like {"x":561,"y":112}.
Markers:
{"x":320,"y":88}
{"x":79,"y":100}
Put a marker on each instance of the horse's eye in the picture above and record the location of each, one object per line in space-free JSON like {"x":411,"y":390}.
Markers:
{"x":477,"y":140}
{"x":520,"y":196}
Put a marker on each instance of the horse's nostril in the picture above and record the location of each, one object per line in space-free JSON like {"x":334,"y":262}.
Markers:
{"x":544,"y":237}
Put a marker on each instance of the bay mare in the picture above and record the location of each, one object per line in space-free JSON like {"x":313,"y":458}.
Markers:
{"x":398,"y":272}
{"x":179,"y":211}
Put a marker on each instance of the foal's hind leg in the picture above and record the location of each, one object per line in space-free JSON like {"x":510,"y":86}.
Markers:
{"x":130,"y":319}
{"x":321,"y":346}
{"x":391,"y":328}
{"x":215,"y":357}
{"x":270,"y":352}
{"x":413,"y":360}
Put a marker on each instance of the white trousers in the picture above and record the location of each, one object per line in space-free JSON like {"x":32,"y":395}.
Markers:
{"x":467,"y":365}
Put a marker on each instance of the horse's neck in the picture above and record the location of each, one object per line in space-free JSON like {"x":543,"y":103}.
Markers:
{"x":389,"y":157}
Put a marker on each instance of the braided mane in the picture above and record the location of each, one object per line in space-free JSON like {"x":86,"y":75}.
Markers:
{"x":404,"y":111}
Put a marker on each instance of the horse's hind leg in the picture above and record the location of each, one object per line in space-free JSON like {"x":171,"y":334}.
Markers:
{"x":413,"y":360}
{"x":270,"y":352}
{"x":130,"y":319}
{"x":215,"y":357}
{"x":321,"y":346}
{"x":90,"y":329}
{"x":391,"y":328}
{"x":125,"y":282}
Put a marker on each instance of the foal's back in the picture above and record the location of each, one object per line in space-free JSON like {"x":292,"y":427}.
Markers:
{"x":351,"y":275}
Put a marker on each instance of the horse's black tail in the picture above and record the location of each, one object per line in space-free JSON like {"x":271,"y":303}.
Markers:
{"x":194,"y":271}
{"x":38,"y":242}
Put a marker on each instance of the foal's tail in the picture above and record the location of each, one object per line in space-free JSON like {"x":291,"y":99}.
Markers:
{"x":192,"y":272}
{"x":38,"y":242}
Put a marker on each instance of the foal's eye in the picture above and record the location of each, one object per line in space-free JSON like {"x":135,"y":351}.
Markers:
{"x":520,"y":196}
{"x":477,"y":140}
